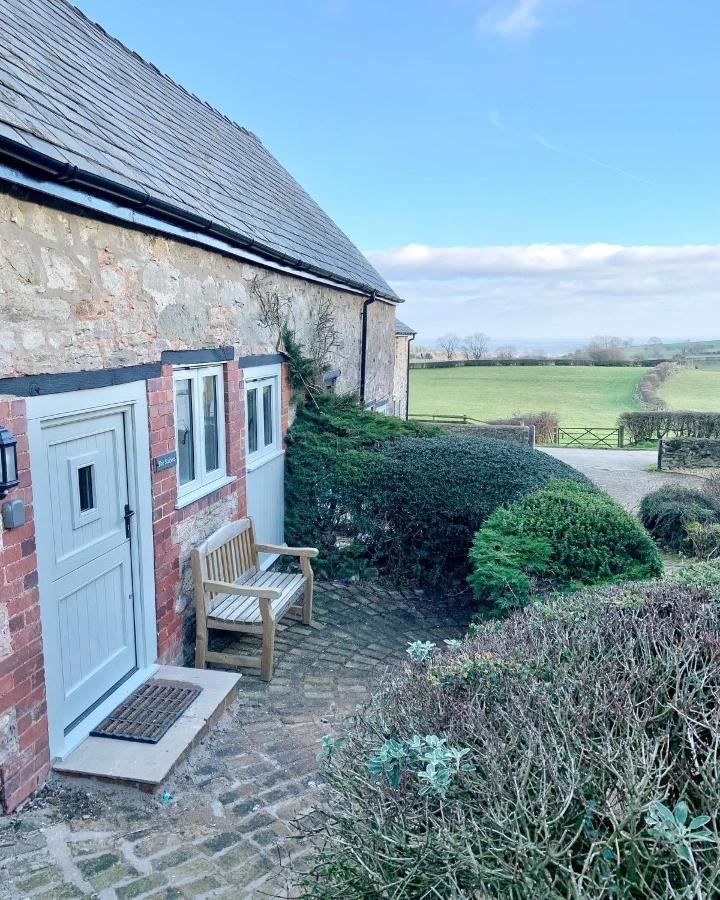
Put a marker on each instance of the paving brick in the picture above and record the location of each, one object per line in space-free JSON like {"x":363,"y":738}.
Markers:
{"x":234,"y":801}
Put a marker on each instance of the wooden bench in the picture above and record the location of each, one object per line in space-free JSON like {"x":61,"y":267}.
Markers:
{"x":232,"y":593}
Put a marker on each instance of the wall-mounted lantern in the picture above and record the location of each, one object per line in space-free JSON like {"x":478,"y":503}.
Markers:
{"x":8,"y":461}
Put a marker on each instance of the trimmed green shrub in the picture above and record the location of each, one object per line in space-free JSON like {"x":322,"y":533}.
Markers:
{"x":705,"y":575}
{"x":378,"y":495}
{"x":561,"y":537}
{"x":656,"y":424}
{"x":568,"y":751}
{"x":668,"y":511}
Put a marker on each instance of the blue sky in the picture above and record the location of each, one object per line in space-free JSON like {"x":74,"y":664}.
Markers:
{"x":479,"y":132}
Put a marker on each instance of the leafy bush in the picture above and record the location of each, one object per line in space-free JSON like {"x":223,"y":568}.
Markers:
{"x":563,"y":536}
{"x":383,"y":496}
{"x":704,"y":575}
{"x":711,"y":486}
{"x":578,"y":749}
{"x":545,"y":423}
{"x":656,"y":424}
{"x":668,"y":511}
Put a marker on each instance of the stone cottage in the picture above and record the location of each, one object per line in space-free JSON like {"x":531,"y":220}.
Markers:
{"x":150,"y":250}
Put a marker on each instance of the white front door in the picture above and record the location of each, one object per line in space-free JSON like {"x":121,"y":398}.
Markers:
{"x":265,"y":477}
{"x":83,"y":508}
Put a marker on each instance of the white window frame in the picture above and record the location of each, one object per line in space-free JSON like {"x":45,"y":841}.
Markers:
{"x":257,"y":378}
{"x":204,"y":482}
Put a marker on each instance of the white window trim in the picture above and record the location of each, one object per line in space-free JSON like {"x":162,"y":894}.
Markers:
{"x":259,"y":377}
{"x":204,"y":483}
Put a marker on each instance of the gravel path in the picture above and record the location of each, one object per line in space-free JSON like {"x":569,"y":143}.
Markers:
{"x":621,"y":473}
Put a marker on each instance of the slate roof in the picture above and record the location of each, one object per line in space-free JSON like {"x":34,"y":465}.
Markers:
{"x":73,"y":93}
{"x":402,"y":328}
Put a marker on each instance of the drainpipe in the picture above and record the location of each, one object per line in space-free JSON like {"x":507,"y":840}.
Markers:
{"x":363,"y":343}
{"x":407,"y":378}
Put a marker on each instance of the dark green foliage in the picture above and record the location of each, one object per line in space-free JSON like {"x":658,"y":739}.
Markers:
{"x":667,"y":512}
{"x":302,"y":373}
{"x":656,"y":424}
{"x":589,"y":730}
{"x":380,"y":495}
{"x":561,"y":537}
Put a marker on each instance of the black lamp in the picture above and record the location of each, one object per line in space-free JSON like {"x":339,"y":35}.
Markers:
{"x":8,"y":461}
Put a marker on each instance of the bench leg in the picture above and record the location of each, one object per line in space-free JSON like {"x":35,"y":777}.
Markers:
{"x":308,"y":602}
{"x":201,"y":642}
{"x":268,"y":649}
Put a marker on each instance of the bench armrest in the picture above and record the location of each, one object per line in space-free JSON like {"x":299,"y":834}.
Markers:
{"x":224,"y":587}
{"x":310,"y":552}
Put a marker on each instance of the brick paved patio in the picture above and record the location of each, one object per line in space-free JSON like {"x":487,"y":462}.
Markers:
{"x":226,"y":832}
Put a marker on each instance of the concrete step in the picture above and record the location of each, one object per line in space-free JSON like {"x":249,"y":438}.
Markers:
{"x":146,"y":766}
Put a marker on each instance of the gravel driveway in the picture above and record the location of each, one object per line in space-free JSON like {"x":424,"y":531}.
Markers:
{"x":621,"y":473}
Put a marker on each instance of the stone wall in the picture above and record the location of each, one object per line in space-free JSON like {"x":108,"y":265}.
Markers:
{"x":77,"y":293}
{"x":400,"y":380}
{"x":688,"y":453}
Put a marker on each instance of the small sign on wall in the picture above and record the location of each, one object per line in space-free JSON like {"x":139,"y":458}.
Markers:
{"x":166,"y":461}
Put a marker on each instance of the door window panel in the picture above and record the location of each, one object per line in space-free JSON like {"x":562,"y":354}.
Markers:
{"x":85,"y":488}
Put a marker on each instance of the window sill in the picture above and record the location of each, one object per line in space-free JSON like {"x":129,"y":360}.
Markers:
{"x":203,"y":491}
{"x":259,"y":461}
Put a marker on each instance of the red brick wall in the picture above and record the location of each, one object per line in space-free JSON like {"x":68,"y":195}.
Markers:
{"x":24,"y":753}
{"x":170,"y":556}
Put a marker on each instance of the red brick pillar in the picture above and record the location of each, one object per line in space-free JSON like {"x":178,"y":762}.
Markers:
{"x":161,"y":411}
{"x":24,"y":749}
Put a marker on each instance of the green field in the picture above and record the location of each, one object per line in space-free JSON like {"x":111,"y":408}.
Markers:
{"x":697,"y":389}
{"x":581,"y":396}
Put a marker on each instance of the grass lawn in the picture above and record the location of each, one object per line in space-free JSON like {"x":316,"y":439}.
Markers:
{"x":697,"y":389}
{"x":581,"y":396}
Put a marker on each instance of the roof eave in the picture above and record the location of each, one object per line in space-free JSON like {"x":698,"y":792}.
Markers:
{"x":45,"y":167}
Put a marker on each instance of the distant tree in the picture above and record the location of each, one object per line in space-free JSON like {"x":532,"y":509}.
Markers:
{"x":605,"y":348}
{"x":417,"y":351}
{"x":475,"y":345}
{"x":655,"y":347}
{"x":449,"y":344}
{"x":506,"y":352}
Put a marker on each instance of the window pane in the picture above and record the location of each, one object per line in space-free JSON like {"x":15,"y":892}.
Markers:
{"x":184,"y":430}
{"x":268,"y":415}
{"x":252,"y":420}
{"x":85,"y":488}
{"x":210,"y":420}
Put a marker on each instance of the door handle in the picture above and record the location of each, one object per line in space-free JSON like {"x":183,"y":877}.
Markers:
{"x":129,"y":513}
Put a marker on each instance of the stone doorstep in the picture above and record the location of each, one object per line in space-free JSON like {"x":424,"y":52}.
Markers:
{"x":146,"y":766}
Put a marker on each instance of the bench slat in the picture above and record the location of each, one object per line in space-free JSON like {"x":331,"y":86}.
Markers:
{"x":230,"y":608}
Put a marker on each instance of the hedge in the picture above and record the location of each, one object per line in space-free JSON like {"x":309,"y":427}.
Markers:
{"x":561,"y":537}
{"x":668,"y":511}
{"x":655,"y":424}
{"x":569,"y":751}
{"x":380,"y":496}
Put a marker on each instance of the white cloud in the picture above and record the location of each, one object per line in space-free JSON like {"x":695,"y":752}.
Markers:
{"x":558,"y":290}
{"x":518,"y":18}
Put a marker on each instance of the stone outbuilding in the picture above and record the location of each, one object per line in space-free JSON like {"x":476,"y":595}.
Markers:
{"x":150,"y":250}
{"x":404,"y":334}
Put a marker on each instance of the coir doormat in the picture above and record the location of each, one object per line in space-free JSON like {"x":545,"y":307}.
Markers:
{"x":147,"y":714}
